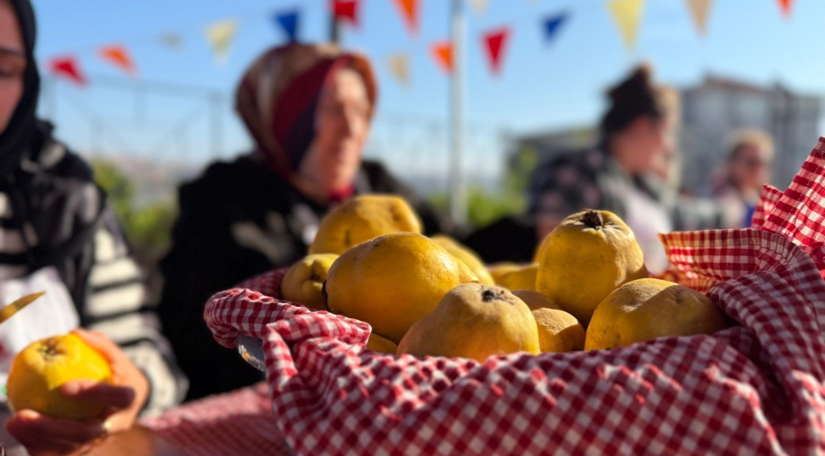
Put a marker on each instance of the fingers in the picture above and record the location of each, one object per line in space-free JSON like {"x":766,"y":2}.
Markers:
{"x":41,"y":433}
{"x":108,"y":349}
{"x":105,"y":394}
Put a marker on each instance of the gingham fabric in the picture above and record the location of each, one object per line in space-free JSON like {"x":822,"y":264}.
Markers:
{"x":755,"y":388}
{"x":236,"y":423}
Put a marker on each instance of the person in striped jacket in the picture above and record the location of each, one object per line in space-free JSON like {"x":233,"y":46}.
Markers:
{"x":58,"y":235}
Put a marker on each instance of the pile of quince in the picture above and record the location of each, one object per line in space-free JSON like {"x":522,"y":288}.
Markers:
{"x":587,"y":289}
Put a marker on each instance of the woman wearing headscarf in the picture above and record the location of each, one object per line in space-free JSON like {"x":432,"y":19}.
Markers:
{"x":308,"y":109}
{"x":58,"y":235}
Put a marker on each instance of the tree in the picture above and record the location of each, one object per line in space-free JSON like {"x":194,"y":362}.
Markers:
{"x":148,"y":227}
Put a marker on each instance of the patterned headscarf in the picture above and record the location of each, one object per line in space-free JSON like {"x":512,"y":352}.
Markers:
{"x":279,"y":93}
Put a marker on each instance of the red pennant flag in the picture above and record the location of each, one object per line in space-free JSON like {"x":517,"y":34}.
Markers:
{"x":68,"y":68}
{"x":786,"y":7}
{"x":119,"y":57}
{"x":346,"y":10}
{"x":494,"y":42}
{"x":409,"y":10}
{"x":443,"y":53}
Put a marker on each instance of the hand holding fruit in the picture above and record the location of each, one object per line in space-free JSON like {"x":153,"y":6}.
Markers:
{"x":82,"y":410}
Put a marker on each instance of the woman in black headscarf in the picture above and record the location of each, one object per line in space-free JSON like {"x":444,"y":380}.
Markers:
{"x":57,"y":235}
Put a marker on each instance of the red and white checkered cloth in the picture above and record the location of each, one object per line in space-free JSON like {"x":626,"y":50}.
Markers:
{"x":755,"y":388}
{"x":236,"y":423}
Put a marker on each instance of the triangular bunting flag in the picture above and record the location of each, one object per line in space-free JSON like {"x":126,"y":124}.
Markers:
{"x":552,"y":25}
{"x":400,"y":67}
{"x":288,"y":21}
{"x":409,"y":11}
{"x":67,"y":67}
{"x":172,"y":40}
{"x":699,"y":9}
{"x":220,"y":36}
{"x":118,"y":56}
{"x":346,"y":10}
{"x":627,"y":14}
{"x":786,"y":7}
{"x":443,"y":53}
{"x":495,"y":42}
{"x":479,"y":6}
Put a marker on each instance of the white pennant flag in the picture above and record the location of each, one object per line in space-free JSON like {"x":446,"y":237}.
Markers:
{"x":171,"y":40}
{"x":220,"y":36}
{"x":480,"y":6}
{"x":400,"y":67}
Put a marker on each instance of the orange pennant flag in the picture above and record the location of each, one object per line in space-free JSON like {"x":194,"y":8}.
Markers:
{"x":699,"y":9}
{"x":409,"y":10}
{"x":118,"y":56}
{"x":786,"y":7}
{"x":443,"y":53}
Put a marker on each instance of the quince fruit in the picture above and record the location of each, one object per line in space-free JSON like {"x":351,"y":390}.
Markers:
{"x":558,"y":331}
{"x":474,"y":321}
{"x":392,"y":281}
{"x":535,"y":300}
{"x":470,"y":258}
{"x":649,"y":308}
{"x":38,"y":372}
{"x":498,"y":270}
{"x":523,"y":278}
{"x":363,"y":218}
{"x":381,"y":344}
{"x":585,"y":258}
{"x":305,"y":279}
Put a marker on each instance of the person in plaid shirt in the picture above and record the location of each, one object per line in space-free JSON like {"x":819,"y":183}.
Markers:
{"x":629,"y":173}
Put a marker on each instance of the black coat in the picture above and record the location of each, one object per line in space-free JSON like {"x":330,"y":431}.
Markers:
{"x":236,"y":221}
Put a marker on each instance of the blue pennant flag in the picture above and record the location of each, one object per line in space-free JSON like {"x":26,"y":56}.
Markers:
{"x":552,"y":25}
{"x":288,"y":21}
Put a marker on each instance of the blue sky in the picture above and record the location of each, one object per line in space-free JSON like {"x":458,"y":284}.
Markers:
{"x":542,"y":85}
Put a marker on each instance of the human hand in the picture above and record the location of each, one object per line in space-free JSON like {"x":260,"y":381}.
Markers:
{"x":122,"y":398}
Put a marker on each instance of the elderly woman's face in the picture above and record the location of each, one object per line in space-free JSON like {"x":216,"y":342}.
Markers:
{"x":342,"y":123}
{"x":12,"y":63}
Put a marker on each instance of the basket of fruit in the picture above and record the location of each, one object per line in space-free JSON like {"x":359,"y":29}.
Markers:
{"x":405,"y":344}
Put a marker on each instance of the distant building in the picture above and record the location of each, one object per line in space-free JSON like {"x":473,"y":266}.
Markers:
{"x":711,"y":111}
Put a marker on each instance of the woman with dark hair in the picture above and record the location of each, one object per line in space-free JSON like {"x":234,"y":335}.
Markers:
{"x":58,"y":235}
{"x":629,"y":173}
{"x":308,"y":109}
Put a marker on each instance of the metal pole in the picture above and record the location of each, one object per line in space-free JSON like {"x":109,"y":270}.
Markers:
{"x":140,"y":103}
{"x":458,"y":200}
{"x":50,"y":105}
{"x":334,"y":30}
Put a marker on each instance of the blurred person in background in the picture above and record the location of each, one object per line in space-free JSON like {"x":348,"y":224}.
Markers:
{"x":308,"y":109}
{"x":57,"y":235}
{"x":631,"y":172}
{"x":748,"y":168}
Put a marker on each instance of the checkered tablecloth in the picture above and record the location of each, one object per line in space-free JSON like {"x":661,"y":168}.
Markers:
{"x":755,"y":388}
{"x":236,"y":423}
